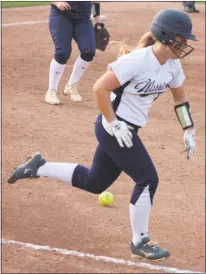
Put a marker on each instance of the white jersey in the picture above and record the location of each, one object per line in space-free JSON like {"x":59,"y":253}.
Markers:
{"x":146,"y":79}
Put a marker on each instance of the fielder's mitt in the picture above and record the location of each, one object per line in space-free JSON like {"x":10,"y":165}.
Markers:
{"x":101,"y":36}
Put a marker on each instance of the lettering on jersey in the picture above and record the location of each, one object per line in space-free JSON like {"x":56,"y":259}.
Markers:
{"x":150,"y":87}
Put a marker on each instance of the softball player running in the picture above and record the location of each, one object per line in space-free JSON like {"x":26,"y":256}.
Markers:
{"x":70,"y":19}
{"x":136,"y":80}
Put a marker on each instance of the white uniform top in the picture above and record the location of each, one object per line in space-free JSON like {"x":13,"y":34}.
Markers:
{"x":148,"y":79}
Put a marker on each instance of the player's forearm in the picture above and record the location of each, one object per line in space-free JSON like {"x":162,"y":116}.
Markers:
{"x":184,"y":115}
{"x":181,"y":100}
{"x":183,"y":112}
{"x":96,"y":12}
{"x":104,"y":103}
{"x":182,"y":108}
{"x":179,"y":97}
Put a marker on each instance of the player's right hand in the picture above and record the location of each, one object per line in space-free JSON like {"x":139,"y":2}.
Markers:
{"x":63,"y":6}
{"x":121,"y":131}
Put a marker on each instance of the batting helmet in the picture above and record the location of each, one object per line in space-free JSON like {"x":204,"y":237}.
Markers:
{"x":169,"y":23}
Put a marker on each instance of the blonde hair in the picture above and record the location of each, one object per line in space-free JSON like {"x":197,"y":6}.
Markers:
{"x":146,"y":40}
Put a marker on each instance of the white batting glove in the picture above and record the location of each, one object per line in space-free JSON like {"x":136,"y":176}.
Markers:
{"x":121,"y":131}
{"x":189,"y":141}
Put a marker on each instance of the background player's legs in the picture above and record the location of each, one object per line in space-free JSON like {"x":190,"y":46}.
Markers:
{"x":61,"y":32}
{"x":189,"y":6}
{"x":83,"y":33}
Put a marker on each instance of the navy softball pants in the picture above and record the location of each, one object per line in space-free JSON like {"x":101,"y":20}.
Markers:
{"x":110,"y":160}
{"x":190,"y":4}
{"x":63,"y":29}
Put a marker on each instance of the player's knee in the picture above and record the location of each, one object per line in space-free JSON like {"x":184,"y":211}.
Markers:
{"x":87,"y":56}
{"x":85,"y":180}
{"x":62,"y":58}
{"x":153,"y":186}
{"x":95,"y":185}
{"x":140,"y":186}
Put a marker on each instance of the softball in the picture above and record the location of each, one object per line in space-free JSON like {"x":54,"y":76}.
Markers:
{"x":106,"y":198}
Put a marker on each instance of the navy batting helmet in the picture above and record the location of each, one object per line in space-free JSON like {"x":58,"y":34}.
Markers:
{"x":170,"y":23}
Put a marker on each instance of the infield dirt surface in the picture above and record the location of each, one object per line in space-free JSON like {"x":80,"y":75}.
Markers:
{"x":47,"y":212}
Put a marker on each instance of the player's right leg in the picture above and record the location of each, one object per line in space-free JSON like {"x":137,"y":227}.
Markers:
{"x":95,"y":180}
{"x":61,"y":32}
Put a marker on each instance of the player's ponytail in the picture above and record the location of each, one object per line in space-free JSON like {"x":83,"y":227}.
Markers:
{"x":123,"y":47}
{"x":146,"y":40}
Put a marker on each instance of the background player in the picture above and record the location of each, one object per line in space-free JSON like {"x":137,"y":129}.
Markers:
{"x":136,"y":79}
{"x":71,"y":20}
{"x":189,"y":6}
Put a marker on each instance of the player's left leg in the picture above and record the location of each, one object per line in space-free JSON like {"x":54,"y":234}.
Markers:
{"x":83,"y":33}
{"x":98,"y":178}
{"x":136,"y":163}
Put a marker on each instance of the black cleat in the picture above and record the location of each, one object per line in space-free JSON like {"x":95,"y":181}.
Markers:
{"x":148,"y":250}
{"x":28,"y":169}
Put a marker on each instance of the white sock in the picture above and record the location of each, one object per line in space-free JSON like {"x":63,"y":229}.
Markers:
{"x":139,"y":216}
{"x":80,"y":66}
{"x":59,"y":171}
{"x":55,"y":73}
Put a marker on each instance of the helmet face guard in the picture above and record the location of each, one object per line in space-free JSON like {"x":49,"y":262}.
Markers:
{"x":167,"y":25}
{"x":176,"y":48}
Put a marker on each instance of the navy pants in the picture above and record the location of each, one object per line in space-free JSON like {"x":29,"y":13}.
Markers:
{"x":110,"y":160}
{"x":190,"y":4}
{"x":63,"y":29}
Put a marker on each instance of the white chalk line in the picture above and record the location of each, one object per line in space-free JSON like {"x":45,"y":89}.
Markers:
{"x":34,"y":22}
{"x":24,"y":23}
{"x":98,"y":258}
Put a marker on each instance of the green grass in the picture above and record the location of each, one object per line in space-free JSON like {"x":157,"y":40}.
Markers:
{"x":201,"y":3}
{"x":15,"y":4}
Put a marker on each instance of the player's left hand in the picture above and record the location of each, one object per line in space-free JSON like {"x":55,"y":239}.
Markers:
{"x":189,"y":141}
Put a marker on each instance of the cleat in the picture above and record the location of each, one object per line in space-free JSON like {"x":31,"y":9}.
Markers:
{"x":28,"y":169}
{"x":191,"y":9}
{"x":148,"y":250}
{"x":145,"y":240}
{"x":73,"y":91}
{"x":51,"y":97}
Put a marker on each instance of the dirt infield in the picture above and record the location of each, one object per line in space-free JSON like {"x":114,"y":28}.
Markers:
{"x":46,"y":212}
